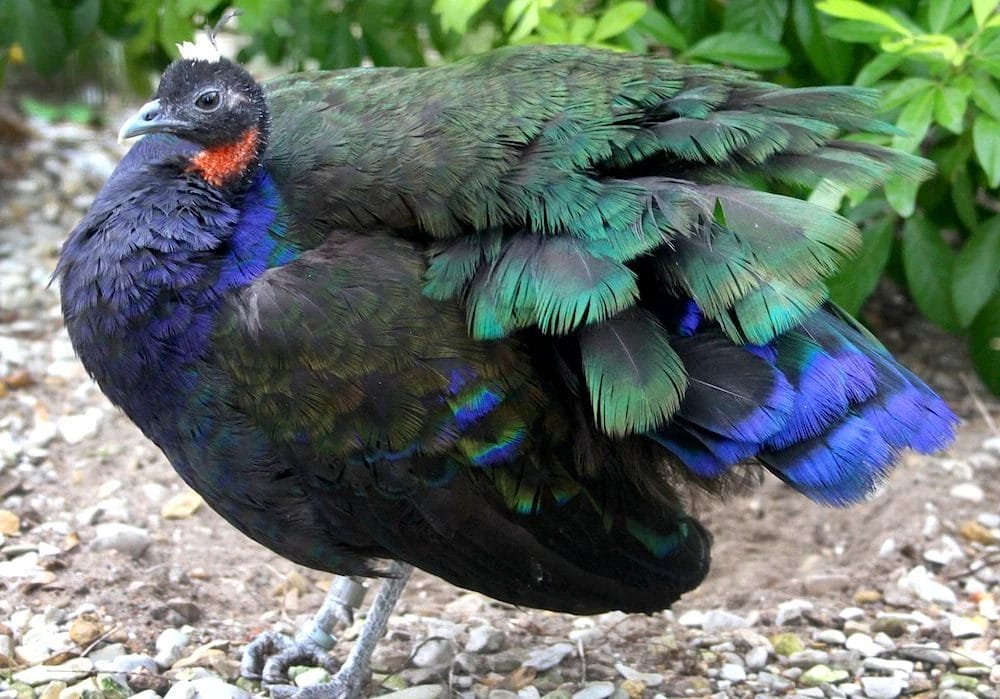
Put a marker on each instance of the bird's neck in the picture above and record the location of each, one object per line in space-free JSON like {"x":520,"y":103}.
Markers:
{"x":143,"y":276}
{"x":230,"y":165}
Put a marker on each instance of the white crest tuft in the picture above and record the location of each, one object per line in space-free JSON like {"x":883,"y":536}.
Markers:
{"x":203,"y":48}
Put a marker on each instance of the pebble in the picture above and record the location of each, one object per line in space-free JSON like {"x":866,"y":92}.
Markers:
{"x":719,"y":620}
{"x":756,"y":658}
{"x":206,"y":688}
{"x":967,"y":491}
{"x":925,"y":654}
{"x":70,"y":671}
{"x":484,"y":639}
{"x":544,"y":659}
{"x":425,"y":691}
{"x":595,"y":690}
{"x":791,"y":611}
{"x":433,"y":652}
{"x":124,"y":538}
{"x":963,"y":627}
{"x":882,"y":687}
{"x":649,"y":679}
{"x":864,"y":644}
{"x":170,"y":646}
{"x":76,"y":428}
{"x":732,"y":672}
{"x":920,"y":582}
{"x":831,"y":637}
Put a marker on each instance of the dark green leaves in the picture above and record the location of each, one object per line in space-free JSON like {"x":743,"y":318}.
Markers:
{"x":986,"y":140}
{"x":742,"y":50}
{"x":976,"y":272}
{"x":856,"y":281}
{"x":929,"y":263}
{"x":984,"y":343}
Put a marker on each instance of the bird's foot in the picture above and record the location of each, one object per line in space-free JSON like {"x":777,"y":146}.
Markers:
{"x":268,"y":657}
{"x":344,"y":685}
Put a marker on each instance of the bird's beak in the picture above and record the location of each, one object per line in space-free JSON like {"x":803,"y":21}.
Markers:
{"x":147,"y":120}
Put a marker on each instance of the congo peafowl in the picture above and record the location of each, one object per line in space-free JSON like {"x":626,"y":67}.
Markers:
{"x":489,"y":319}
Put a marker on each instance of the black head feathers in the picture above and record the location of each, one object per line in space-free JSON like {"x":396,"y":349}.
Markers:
{"x":210,"y":103}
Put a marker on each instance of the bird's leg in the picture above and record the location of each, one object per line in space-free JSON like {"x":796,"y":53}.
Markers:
{"x":269,"y":656}
{"x":352,"y":677}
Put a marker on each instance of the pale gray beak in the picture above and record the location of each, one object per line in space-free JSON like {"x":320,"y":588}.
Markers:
{"x":147,"y":120}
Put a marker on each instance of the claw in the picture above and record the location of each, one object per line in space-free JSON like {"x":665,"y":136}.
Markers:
{"x":269,"y":656}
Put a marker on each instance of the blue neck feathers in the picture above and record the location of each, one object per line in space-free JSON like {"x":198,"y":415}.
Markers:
{"x":143,"y":275}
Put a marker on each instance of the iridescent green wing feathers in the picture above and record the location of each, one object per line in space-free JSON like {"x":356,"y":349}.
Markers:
{"x":546,"y":179}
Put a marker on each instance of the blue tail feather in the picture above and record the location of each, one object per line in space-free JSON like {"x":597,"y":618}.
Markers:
{"x":834,"y":422}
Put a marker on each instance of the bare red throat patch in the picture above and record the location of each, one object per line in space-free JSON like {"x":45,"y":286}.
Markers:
{"x":220,"y":164}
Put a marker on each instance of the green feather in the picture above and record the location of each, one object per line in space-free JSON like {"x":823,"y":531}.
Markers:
{"x":634,"y":377}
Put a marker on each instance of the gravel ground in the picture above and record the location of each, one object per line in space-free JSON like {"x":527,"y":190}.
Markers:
{"x":118,"y":582}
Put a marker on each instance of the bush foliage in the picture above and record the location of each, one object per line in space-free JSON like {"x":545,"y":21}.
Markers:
{"x":936,"y":61}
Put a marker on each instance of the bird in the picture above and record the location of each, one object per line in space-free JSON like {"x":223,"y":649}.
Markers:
{"x":501,"y":319}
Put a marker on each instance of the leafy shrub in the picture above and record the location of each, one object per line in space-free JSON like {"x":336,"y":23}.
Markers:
{"x":936,"y":61}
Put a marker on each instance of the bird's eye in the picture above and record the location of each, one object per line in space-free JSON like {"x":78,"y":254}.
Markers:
{"x":208,"y":100}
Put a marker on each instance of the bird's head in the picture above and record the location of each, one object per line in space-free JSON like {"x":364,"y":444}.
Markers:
{"x":214,"y":104}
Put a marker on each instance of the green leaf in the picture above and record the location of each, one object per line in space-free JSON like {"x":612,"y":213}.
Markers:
{"x":856,"y":32}
{"x":949,"y":108}
{"x":986,"y":142}
{"x":618,"y":18}
{"x":581,"y":29}
{"x":456,"y":14}
{"x":986,"y":96}
{"x":984,"y":343}
{"x":963,"y":197}
{"x":928,"y":264}
{"x":877,"y":68}
{"x":830,"y":59}
{"x":855,"y":282}
{"x":662,"y":29}
{"x":982,"y":9}
{"x":901,"y":193}
{"x":905,"y":91}
{"x":943,"y":13}
{"x":977,"y":271}
{"x":862,"y":12}
{"x":39,"y":32}
{"x":915,"y":119}
{"x":740,"y":50}
{"x":762,"y":17}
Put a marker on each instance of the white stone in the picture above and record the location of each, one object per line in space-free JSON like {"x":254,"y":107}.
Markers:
{"x":650,"y":679}
{"x":70,"y":671}
{"x":718,"y":620}
{"x":920,"y":582}
{"x":883,"y":687}
{"x":595,"y":690}
{"x":692,"y":617}
{"x":831,"y":637}
{"x":791,"y":611}
{"x":887,"y":548}
{"x":546,"y":658}
{"x":756,"y":657}
{"x":132,"y":541}
{"x":967,"y":491}
{"x":434,"y":652}
{"x":484,"y":639}
{"x":732,"y":672}
{"x":864,"y":644}
{"x":76,"y":428}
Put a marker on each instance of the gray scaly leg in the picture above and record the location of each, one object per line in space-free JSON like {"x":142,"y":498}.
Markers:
{"x":269,"y":656}
{"x":350,"y":680}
